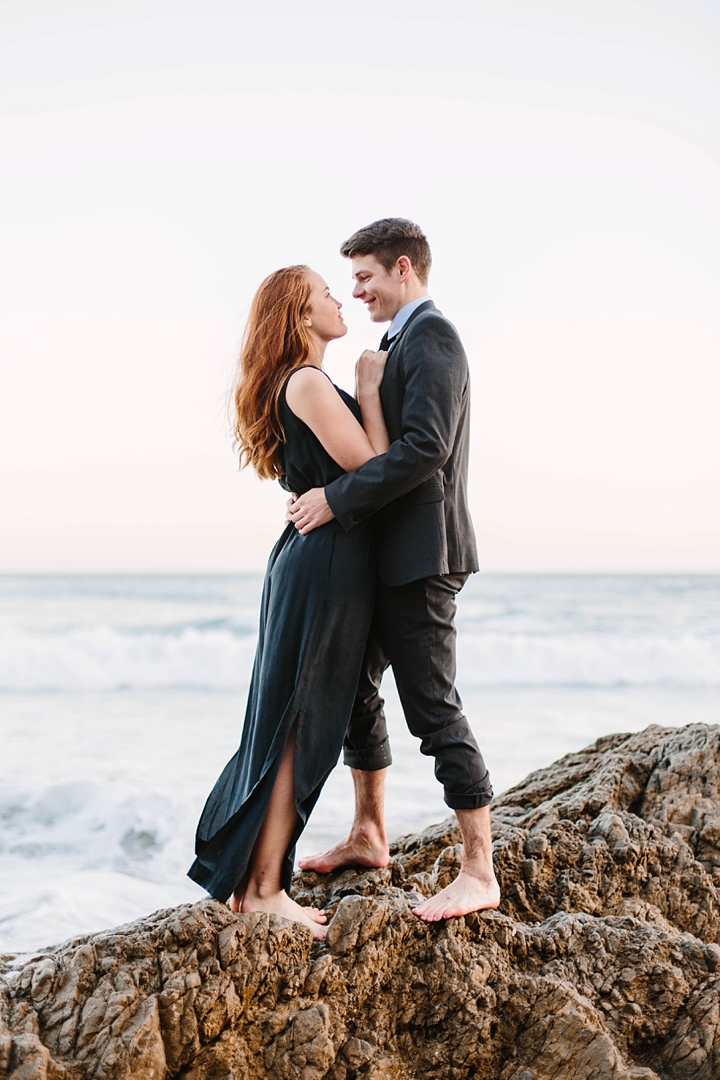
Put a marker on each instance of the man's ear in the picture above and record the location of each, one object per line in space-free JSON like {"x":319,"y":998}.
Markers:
{"x":405,"y":267}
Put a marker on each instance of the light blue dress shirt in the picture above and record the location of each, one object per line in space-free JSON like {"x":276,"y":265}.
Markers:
{"x":403,"y":315}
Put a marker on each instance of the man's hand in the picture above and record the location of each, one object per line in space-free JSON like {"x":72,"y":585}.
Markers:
{"x":309,"y":511}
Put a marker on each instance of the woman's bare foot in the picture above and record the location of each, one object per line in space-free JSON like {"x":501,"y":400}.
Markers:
{"x":279,"y":903}
{"x":463,"y":895}
{"x":363,"y":847}
{"x":235,"y":901}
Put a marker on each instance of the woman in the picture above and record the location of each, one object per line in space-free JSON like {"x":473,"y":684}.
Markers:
{"x":294,"y":424}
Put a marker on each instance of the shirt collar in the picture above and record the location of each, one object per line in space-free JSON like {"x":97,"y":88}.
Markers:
{"x":403,"y":315}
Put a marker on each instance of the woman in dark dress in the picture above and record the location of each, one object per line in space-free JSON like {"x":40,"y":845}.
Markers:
{"x":292,"y":423}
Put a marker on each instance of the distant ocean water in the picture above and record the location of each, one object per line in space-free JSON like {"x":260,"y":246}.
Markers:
{"x":122,"y":697}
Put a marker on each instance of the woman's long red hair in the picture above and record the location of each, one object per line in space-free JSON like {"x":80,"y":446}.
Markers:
{"x":275,"y":341}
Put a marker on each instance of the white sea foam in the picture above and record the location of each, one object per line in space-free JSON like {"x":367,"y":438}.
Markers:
{"x":86,"y":855}
{"x":591,"y":660}
{"x":103,"y":658}
{"x":110,"y":826}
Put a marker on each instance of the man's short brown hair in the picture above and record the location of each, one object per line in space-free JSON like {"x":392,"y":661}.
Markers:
{"x":387,"y":240}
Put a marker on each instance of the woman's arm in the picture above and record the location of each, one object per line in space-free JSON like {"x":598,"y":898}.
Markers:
{"x":315,"y":401}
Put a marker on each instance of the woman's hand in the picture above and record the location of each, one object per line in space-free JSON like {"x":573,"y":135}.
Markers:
{"x":369,"y":372}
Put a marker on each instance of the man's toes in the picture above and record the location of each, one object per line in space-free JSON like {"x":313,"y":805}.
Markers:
{"x":320,"y":864}
{"x":309,"y":863}
{"x":429,"y":916}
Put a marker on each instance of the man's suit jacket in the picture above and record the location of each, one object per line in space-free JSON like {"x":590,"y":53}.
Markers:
{"x":420,"y":484}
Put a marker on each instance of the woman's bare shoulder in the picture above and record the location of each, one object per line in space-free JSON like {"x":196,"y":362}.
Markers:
{"x":305,"y":381}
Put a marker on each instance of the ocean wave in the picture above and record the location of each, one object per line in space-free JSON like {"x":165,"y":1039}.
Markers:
{"x":79,"y":857}
{"x":105,"y":659}
{"x":90,"y":824}
{"x":591,"y":660}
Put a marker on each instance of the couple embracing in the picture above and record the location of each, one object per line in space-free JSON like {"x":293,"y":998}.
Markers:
{"x":365,"y":576}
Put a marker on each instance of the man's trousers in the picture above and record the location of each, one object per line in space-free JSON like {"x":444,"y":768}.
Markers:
{"x":413,"y":630}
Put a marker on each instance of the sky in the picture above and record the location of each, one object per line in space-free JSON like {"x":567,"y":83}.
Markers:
{"x":159,"y":159}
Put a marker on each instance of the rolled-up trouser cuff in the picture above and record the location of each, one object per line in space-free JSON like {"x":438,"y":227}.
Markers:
{"x":477,"y":796}
{"x":370,"y":759}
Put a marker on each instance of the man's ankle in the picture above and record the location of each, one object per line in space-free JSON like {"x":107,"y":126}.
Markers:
{"x":369,"y":832}
{"x":478,"y":869}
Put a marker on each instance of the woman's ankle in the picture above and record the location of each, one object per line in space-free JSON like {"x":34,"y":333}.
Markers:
{"x":261,"y":891}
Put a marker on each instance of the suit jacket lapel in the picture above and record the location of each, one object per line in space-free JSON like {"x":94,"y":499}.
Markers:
{"x":429,"y":306}
{"x":388,"y":387}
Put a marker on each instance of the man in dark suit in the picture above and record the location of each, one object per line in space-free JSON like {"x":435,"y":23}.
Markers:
{"x":417,"y":493}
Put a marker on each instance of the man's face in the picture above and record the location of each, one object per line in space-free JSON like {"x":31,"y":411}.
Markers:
{"x":379,"y":289}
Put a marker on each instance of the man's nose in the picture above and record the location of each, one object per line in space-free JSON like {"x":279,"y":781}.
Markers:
{"x":357,"y":291}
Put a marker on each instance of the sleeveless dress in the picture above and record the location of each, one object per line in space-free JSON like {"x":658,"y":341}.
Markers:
{"x":315,"y":614}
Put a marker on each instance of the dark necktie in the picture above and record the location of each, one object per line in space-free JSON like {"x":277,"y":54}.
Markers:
{"x":384,"y":343}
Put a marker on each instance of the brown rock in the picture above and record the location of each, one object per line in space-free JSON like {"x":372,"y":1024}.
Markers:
{"x":603,"y":961}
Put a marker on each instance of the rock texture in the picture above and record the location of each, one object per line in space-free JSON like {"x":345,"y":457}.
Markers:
{"x":602,"y":962}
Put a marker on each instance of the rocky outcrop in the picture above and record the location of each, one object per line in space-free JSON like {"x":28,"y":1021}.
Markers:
{"x":602,"y":962}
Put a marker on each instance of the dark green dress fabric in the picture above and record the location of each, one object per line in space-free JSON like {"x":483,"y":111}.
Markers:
{"x":315,"y":616}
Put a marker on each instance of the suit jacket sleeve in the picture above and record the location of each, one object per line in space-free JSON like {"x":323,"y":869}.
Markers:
{"x":435,"y":375}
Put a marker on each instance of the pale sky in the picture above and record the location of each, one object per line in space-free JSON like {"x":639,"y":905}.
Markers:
{"x":159,"y":159}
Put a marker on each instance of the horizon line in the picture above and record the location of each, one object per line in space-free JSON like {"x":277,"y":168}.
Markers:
{"x":258,"y":572}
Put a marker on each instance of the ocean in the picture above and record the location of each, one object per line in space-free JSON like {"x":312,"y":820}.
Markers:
{"x":122,"y":697}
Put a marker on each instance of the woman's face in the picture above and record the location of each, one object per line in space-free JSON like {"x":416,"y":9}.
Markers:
{"x":325,"y":321}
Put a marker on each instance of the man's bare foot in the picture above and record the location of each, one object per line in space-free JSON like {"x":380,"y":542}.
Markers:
{"x":463,"y":895}
{"x":366,"y":847}
{"x":281,"y":904}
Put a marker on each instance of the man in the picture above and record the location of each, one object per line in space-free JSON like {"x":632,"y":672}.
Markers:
{"x":426,"y":551}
